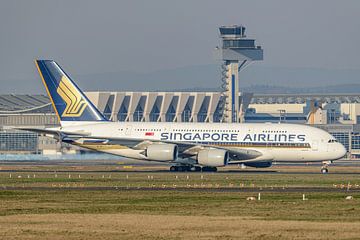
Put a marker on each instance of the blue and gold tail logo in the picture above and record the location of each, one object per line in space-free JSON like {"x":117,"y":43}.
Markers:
{"x":69,"y":102}
{"x":75,"y":104}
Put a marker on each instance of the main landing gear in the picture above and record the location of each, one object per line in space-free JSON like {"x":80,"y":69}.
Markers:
{"x":324,"y":168}
{"x":186,"y":168}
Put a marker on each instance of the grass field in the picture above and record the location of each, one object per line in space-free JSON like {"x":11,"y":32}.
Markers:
{"x":78,"y":204}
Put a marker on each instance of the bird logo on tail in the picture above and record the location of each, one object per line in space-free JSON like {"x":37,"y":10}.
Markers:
{"x":75,"y":104}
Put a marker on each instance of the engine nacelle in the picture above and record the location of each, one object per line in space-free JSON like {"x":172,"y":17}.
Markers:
{"x":162,"y":152}
{"x":213,"y":157}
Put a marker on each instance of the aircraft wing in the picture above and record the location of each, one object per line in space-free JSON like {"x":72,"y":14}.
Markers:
{"x":186,"y":150}
{"x":56,"y":132}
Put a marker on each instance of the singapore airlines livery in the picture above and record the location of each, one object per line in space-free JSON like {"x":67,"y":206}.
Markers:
{"x":185,"y":146}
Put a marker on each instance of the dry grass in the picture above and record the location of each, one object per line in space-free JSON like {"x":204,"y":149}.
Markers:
{"x":61,"y":213}
{"x":325,"y":207}
{"x":132,"y":226}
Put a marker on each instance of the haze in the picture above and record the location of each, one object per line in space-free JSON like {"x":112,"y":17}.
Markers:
{"x":93,"y":39}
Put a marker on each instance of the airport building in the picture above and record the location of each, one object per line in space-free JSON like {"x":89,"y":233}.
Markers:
{"x":26,"y":110}
{"x":339,"y":114}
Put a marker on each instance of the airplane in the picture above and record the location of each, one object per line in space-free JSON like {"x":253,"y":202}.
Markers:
{"x":184,"y":146}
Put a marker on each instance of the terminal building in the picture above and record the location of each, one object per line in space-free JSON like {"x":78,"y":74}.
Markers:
{"x":339,"y":114}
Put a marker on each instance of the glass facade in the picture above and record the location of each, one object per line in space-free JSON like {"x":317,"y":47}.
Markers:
{"x":107,"y":112}
{"x":32,"y":119}
{"x":203,"y":110}
{"x":270,"y":118}
{"x":186,"y":114}
{"x":355,"y":141}
{"x":155,"y":114}
{"x":170,"y":114}
{"x":343,"y":138}
{"x":122,"y":114}
{"x":235,"y":30}
{"x":18,"y":141}
{"x":138,"y":114}
{"x":240,"y":43}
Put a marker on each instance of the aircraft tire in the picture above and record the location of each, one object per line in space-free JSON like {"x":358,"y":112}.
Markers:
{"x":197,"y":169}
{"x":209,"y":169}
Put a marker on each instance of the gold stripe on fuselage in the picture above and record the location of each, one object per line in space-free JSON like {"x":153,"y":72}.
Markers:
{"x":258,"y":146}
{"x":101,"y":147}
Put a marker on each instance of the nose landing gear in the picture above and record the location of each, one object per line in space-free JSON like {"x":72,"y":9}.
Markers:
{"x":324,"y":168}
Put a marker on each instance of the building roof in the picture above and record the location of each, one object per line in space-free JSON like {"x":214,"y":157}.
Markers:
{"x":36,"y":103}
{"x":29,"y":103}
{"x":303,"y":98}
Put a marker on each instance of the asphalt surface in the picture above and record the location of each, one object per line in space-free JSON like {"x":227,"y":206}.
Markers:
{"x":167,"y":171}
{"x":108,"y":166}
{"x":112,"y":162}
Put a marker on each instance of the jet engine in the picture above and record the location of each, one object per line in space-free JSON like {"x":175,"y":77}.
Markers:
{"x":213,"y":157}
{"x":162,"y":152}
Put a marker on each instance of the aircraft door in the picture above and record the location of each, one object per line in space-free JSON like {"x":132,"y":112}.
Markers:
{"x":128,"y":130}
{"x":315,"y":145}
{"x":328,"y":147}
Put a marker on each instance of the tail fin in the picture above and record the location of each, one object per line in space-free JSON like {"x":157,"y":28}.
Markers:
{"x":69,"y":102}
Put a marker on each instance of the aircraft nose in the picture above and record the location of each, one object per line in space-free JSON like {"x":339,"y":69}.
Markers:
{"x":341,"y":150}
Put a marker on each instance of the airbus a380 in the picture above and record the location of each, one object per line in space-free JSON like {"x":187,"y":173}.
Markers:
{"x":184,"y":146}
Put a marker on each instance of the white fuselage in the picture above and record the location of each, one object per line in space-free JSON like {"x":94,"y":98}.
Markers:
{"x":276,"y":142}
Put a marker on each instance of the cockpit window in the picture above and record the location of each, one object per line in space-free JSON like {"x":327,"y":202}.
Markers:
{"x":332,"y":141}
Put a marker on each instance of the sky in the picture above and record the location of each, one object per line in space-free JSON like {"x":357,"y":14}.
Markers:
{"x":94,"y":37}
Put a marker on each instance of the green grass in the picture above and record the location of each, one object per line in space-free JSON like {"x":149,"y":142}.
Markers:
{"x":275,"y":206}
{"x":320,"y":206}
{"x":123,"y":179}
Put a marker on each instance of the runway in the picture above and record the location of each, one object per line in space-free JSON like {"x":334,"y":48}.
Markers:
{"x":223,"y":172}
{"x":343,"y":167}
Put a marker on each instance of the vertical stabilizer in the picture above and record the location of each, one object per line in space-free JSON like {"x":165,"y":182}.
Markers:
{"x":69,"y":102}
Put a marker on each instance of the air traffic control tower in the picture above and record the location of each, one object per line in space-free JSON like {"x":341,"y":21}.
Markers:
{"x":236,"y":52}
